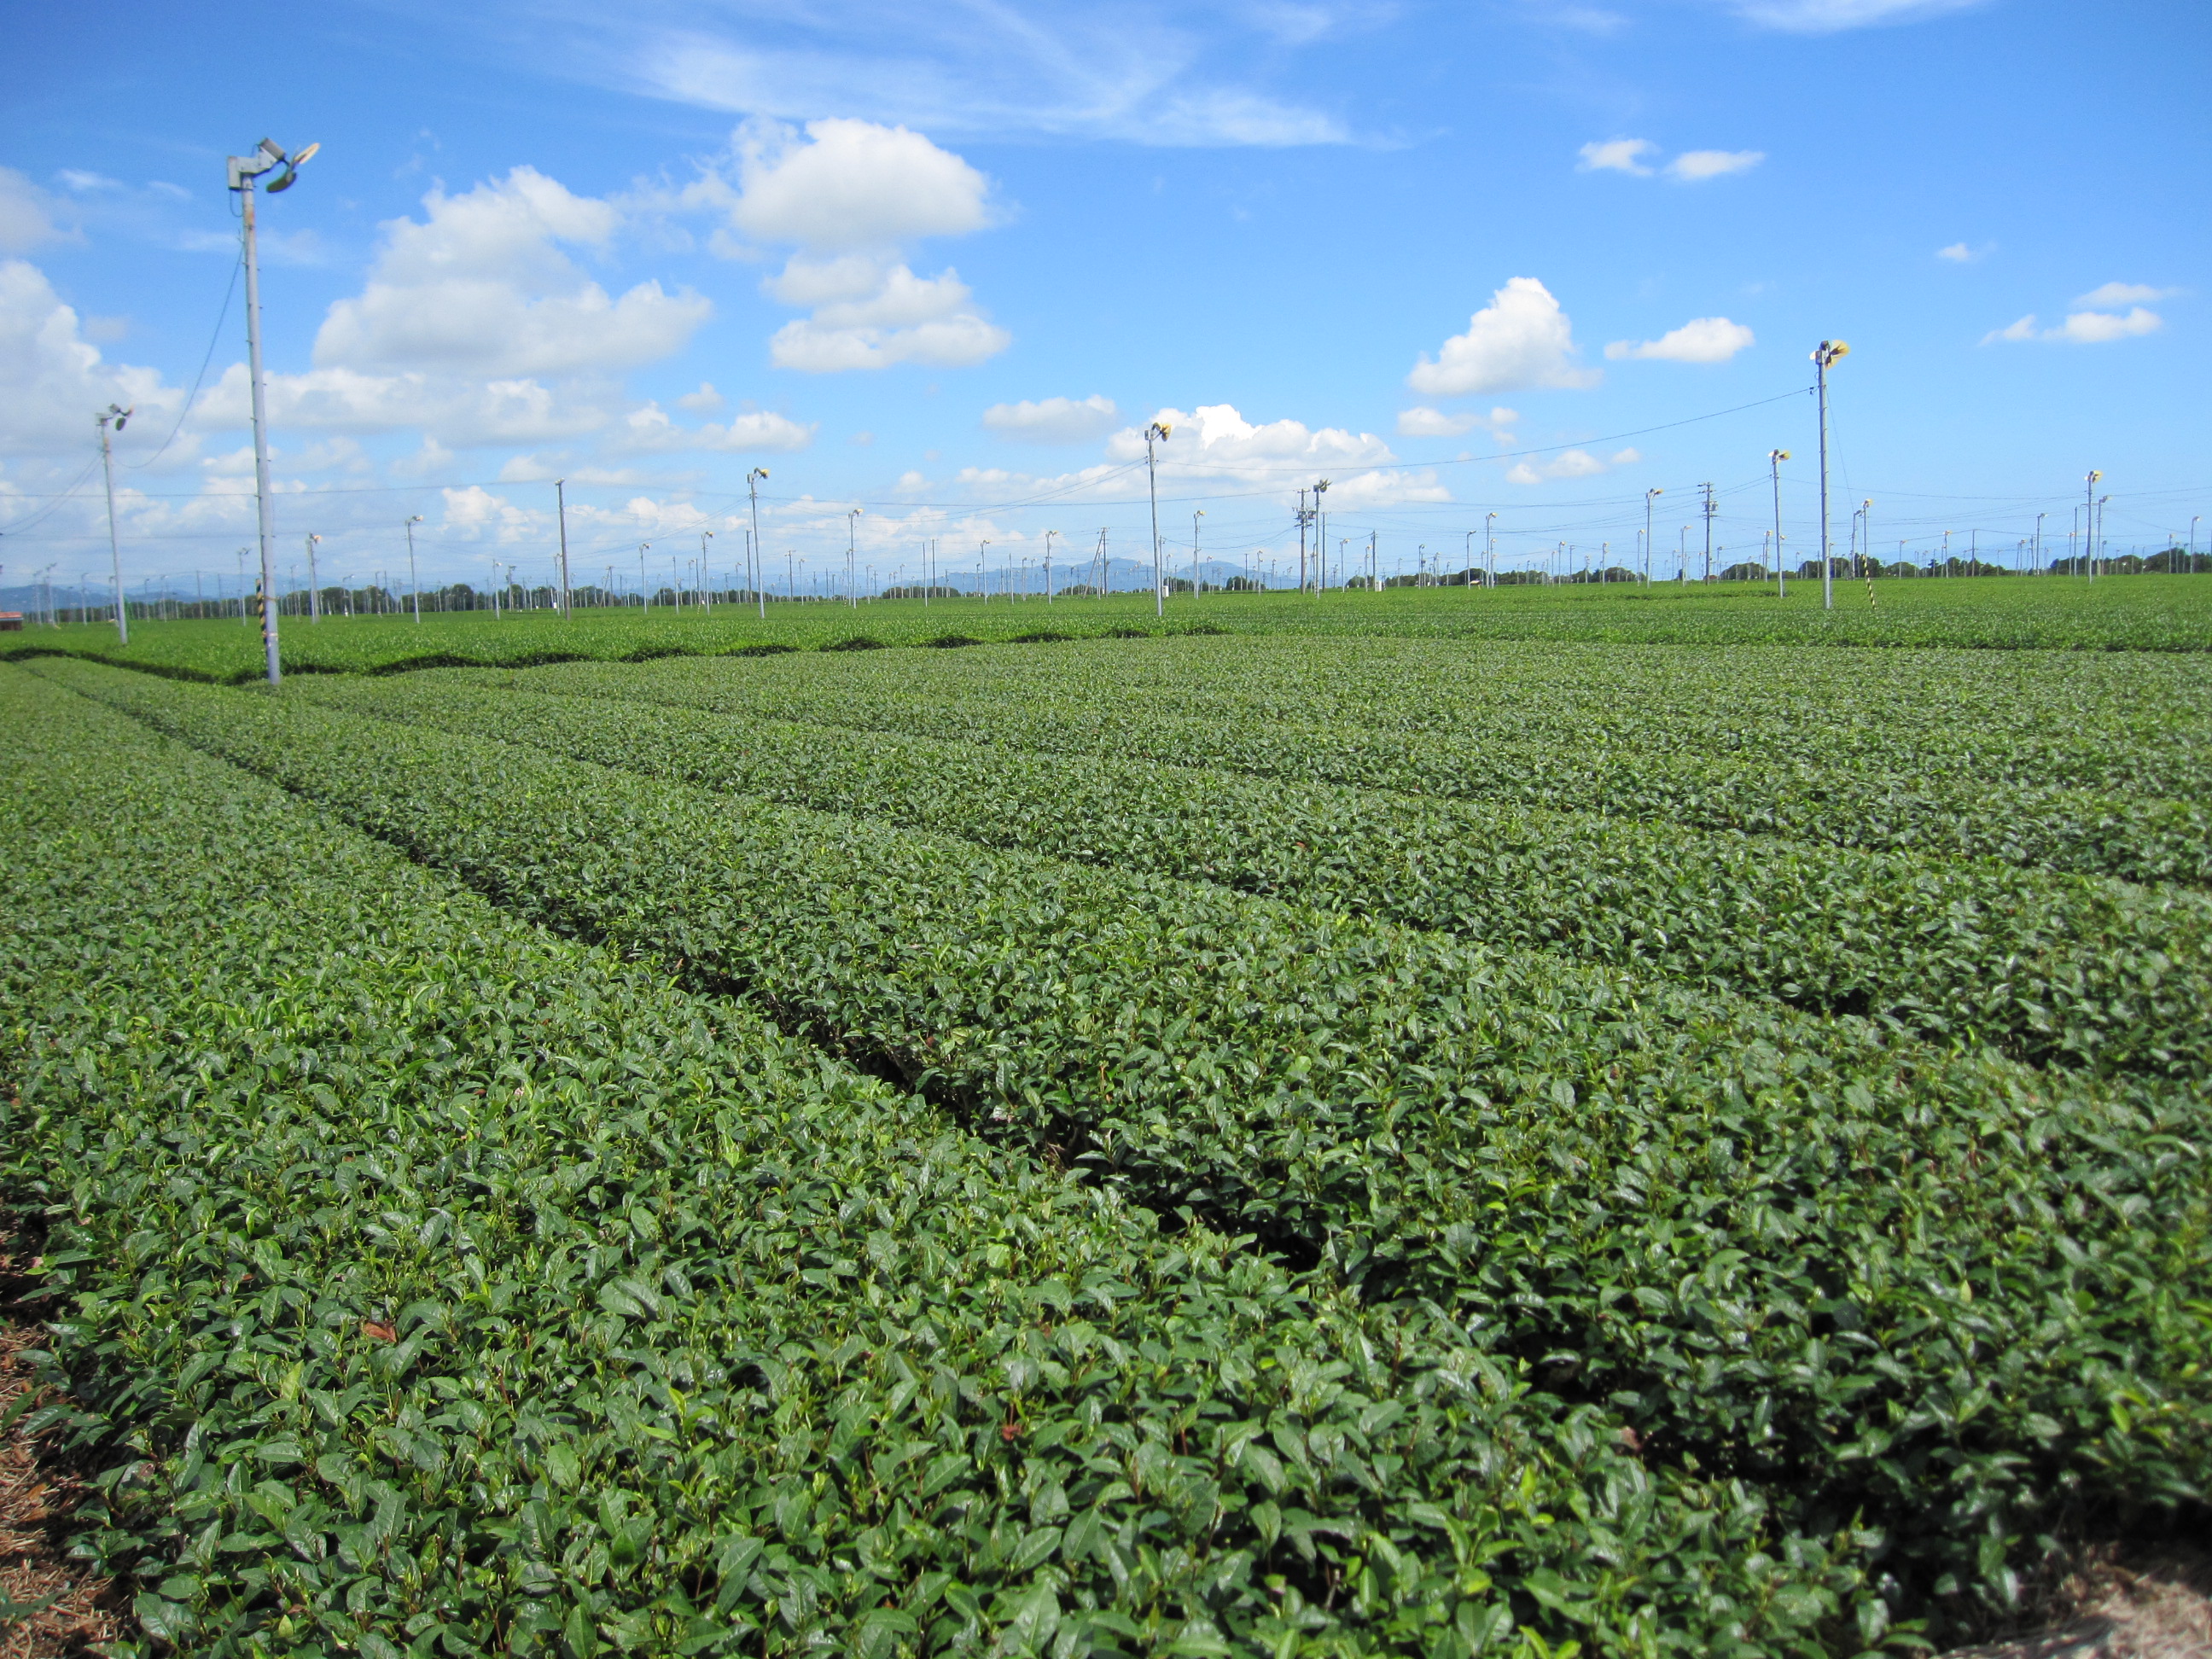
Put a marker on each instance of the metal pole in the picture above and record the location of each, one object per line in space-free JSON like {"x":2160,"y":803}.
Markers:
{"x":752,"y":497}
{"x":415,"y":582}
{"x":1708,"y":489}
{"x":1774,"y":459}
{"x":1649,"y":496}
{"x":114,"y":548}
{"x":1821,"y":360}
{"x":2090,"y":521}
{"x":852,"y":537}
{"x":265,"y":507}
{"x":1156,"y":432}
{"x":561,"y":512}
{"x":1321,"y":539}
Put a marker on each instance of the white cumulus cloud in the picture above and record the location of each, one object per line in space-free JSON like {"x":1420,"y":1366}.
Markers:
{"x":459,"y":411}
{"x":2125,"y":294}
{"x":1618,"y":155}
{"x":2090,"y":326}
{"x":1520,"y":340}
{"x":849,"y":194}
{"x":27,"y":215}
{"x":2095,"y":327}
{"x":55,"y":379}
{"x":1694,"y":164}
{"x":1700,"y":340}
{"x":852,"y":184}
{"x":1570,"y":464}
{"x":481,"y":285}
{"x":648,"y":429}
{"x":1054,"y":419}
{"x":1216,"y":436}
{"x":1425,"y":422}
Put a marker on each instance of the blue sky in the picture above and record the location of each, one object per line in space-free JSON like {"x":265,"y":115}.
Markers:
{"x":945,"y":263}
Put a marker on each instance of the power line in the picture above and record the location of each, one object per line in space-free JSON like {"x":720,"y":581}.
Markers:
{"x":222,"y":317}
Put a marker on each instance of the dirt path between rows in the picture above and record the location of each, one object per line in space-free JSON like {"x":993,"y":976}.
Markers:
{"x":50,"y":1606}
{"x":2151,"y":1604}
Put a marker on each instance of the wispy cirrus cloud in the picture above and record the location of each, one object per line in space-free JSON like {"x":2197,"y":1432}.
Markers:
{"x":1143,"y":73}
{"x":1834,"y":16}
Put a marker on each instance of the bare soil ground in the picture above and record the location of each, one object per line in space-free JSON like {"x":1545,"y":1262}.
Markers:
{"x":2117,"y":1604}
{"x":49,"y":1605}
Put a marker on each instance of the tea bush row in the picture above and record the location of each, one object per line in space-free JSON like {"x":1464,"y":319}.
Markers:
{"x":2053,"y":968}
{"x":1933,"y":1291}
{"x":1870,"y":805}
{"x":420,"y":1282}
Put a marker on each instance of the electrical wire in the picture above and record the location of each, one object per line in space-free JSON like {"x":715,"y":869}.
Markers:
{"x":222,"y":317}
{"x":22,"y":524}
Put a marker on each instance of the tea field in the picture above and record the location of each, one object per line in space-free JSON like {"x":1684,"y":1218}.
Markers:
{"x":1401,"y":1137}
{"x":2120,"y":613}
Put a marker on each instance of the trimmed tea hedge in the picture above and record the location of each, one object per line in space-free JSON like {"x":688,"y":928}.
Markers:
{"x":2053,"y":968}
{"x":423,"y":1283}
{"x":1932,"y":1292}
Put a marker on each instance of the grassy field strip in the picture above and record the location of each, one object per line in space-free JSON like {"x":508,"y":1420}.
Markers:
{"x":426,"y":1278}
{"x":2071,"y":832}
{"x":2053,"y":968}
{"x":2132,"y":723}
{"x":2135,"y":614}
{"x":1850,"y":1269}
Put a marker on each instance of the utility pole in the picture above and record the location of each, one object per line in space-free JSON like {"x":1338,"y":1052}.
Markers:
{"x":1048,"y":535}
{"x":2089,"y":520}
{"x":1774,"y":459}
{"x":1102,"y":561}
{"x":644,"y":593}
{"x":1825,"y":356}
{"x":243,"y":171}
{"x":852,"y":554}
{"x":1156,"y":433}
{"x":114,"y":548}
{"x":706,"y":575}
{"x":752,"y":498}
{"x":1195,"y":584}
{"x":1489,"y":549}
{"x":561,"y":512}
{"x":1708,"y":489}
{"x":415,"y":586}
{"x":1649,"y":496}
{"x":1302,"y":541}
{"x":1321,"y":538}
